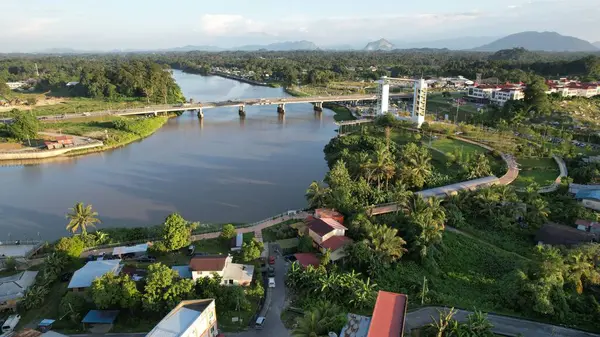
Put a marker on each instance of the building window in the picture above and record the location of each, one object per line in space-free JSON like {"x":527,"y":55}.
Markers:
{"x":230,"y":281}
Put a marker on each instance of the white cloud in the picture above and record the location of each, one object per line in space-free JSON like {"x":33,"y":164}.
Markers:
{"x":226,"y":24}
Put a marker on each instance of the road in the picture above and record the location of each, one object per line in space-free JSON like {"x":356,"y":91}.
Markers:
{"x":503,"y":325}
{"x":273,"y":326}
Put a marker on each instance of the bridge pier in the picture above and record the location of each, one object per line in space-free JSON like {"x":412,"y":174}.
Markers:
{"x":242,"y":110}
{"x":318,"y":106}
{"x":200,"y":113}
{"x":281,"y":108}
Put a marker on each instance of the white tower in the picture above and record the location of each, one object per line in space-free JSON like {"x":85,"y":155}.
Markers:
{"x":383,"y":96}
{"x":419,"y":102}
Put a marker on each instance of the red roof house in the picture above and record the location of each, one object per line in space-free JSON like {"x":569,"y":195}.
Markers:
{"x":388,"y":315}
{"x":307,"y":259}
{"x":327,"y":213}
{"x":329,"y":234}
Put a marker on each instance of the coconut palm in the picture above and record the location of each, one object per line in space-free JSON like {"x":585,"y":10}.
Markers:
{"x":416,"y":165}
{"x":385,"y":240}
{"x":34,"y":297}
{"x":382,"y":167}
{"x":317,"y":195}
{"x":401,"y":196}
{"x":320,"y":320}
{"x":81,"y":217}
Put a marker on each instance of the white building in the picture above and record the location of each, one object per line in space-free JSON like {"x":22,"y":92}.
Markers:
{"x":193,"y":318}
{"x":232,"y":273}
{"x":15,"y":85}
{"x":504,"y":95}
{"x":92,"y":270}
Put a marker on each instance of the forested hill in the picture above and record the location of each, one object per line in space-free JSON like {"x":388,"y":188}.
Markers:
{"x":107,"y":77}
{"x":541,"y":41}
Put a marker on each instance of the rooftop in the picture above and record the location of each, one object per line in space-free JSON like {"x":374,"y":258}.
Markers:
{"x":100,"y":316}
{"x":307,"y":259}
{"x":208,"y":262}
{"x":336,"y":242}
{"x":357,"y":326}
{"x":587,"y":223}
{"x":388,"y":315}
{"x":240,"y":272}
{"x":141,"y":248}
{"x":324,"y":226}
{"x":14,"y":286}
{"x":84,"y":277}
{"x":176,"y":322}
{"x":588,"y":194}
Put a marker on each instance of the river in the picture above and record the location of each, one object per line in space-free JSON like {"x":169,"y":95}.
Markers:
{"x":221,"y":169}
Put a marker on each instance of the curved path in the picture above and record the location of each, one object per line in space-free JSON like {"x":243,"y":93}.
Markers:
{"x":504,"y":325}
{"x":554,"y":186}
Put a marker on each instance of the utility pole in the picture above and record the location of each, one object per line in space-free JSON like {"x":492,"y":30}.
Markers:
{"x":423,"y":290}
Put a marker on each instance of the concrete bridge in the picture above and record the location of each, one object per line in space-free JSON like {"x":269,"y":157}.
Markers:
{"x":281,"y":102}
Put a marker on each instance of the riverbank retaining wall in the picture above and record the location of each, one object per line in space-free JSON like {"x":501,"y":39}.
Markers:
{"x":42,"y":154}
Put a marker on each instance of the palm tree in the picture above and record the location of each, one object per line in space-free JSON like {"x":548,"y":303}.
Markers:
{"x":317,"y":195}
{"x":417,"y":164}
{"x":441,"y":324}
{"x":385,"y":240}
{"x":81,"y":217}
{"x":34,"y":297}
{"x":319,"y":321}
{"x":401,"y":196}
{"x":382,"y":168}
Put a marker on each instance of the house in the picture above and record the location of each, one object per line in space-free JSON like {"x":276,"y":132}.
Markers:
{"x":135,"y":250}
{"x":555,"y":234}
{"x":388,"y":315}
{"x":327,"y":213}
{"x":83,"y":278}
{"x":588,"y":226}
{"x":329,"y":234}
{"x":59,"y":142}
{"x":590,"y":198}
{"x":232,"y":273}
{"x":307,"y":259}
{"x":188,"y":318}
{"x":500,"y":97}
{"x":100,"y":317}
{"x":387,"y":320}
{"x":12,"y":288}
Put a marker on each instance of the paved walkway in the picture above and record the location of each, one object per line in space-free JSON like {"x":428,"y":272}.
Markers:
{"x":503,"y":325}
{"x":563,"y":174}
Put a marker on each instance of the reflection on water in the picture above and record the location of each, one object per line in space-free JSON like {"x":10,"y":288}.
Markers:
{"x":222,"y":168}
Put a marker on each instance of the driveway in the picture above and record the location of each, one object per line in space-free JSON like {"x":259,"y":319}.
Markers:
{"x":273,"y":326}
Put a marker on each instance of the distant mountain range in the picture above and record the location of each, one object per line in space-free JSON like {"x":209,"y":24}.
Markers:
{"x":381,"y":44}
{"x":539,"y":41}
{"x":534,"y":41}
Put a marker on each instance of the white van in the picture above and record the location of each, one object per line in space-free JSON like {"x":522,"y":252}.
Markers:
{"x":259,"y":323}
{"x":11,"y":323}
{"x":271,"y":282}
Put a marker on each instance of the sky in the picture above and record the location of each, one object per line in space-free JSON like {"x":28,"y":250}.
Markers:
{"x":33,"y":25}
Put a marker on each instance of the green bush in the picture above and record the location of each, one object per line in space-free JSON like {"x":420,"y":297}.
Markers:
{"x":73,"y":306}
{"x":72,"y":246}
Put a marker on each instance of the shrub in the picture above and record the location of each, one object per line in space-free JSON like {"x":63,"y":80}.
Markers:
{"x":72,"y":305}
{"x":72,"y":246}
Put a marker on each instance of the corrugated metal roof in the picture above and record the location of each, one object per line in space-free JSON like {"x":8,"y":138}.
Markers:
{"x":14,"y":286}
{"x":388,"y":315}
{"x":141,"y":248}
{"x":100,"y":316}
{"x":176,"y":322}
{"x":208,"y":262}
{"x":588,"y":194}
{"x":84,"y":277}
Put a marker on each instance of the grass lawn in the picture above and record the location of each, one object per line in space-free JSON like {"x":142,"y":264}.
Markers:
{"x":225,"y":318}
{"x":288,"y":243}
{"x":440,"y":106}
{"x":77,"y":106}
{"x":448,"y":145}
{"x":341,"y":112}
{"x":280,"y":231}
{"x":542,"y":171}
{"x":470,"y":276}
{"x":50,"y":310}
{"x":214,"y":246}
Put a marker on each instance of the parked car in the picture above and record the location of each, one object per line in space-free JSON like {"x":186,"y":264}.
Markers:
{"x":271,"y":271}
{"x":128,"y":256}
{"x":290,"y":258}
{"x":271,"y":282}
{"x":191,"y":250}
{"x":10,"y":323}
{"x":148,"y":258}
{"x":260,"y":322}
{"x":271,"y":259}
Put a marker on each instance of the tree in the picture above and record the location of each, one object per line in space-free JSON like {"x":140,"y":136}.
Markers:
{"x":112,"y":292}
{"x":321,"y":319}
{"x":251,"y":250}
{"x":72,"y":305}
{"x":305,"y":244}
{"x":317,"y":195}
{"x":325,"y":258}
{"x":10,"y":263}
{"x":176,"y":232}
{"x":428,"y":217}
{"x":228,"y":232}
{"x":4,"y":89}
{"x":385,"y":240}
{"x":31,"y":101}
{"x":416,"y":165}
{"x":35,"y":296}
{"x":159,"y":279}
{"x":72,"y":246}
{"x":24,"y":126}
{"x":81,"y":217}
{"x":536,"y":97}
